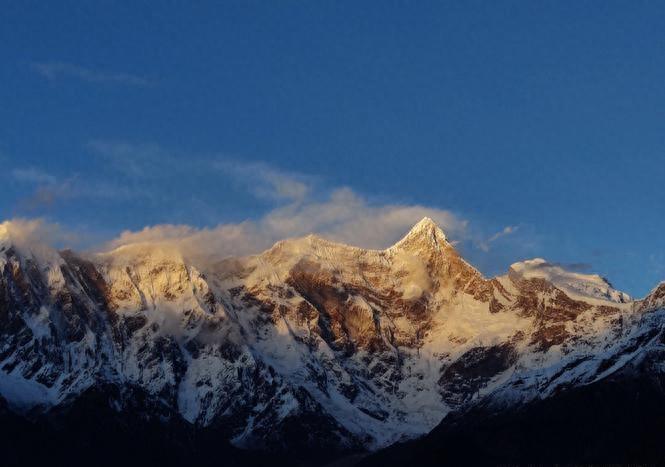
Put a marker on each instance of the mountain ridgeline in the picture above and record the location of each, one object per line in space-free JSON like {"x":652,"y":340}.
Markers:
{"x":313,"y":350}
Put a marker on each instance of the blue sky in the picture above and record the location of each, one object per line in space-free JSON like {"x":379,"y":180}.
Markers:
{"x":532,"y":128}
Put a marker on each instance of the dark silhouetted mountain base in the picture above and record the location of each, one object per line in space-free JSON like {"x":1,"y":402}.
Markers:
{"x":617,"y":421}
{"x":91,"y":433}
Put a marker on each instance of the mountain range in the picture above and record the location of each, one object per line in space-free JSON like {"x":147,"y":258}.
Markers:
{"x":314,"y":351}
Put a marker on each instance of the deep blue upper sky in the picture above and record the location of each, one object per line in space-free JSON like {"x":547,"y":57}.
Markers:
{"x":548,"y":116}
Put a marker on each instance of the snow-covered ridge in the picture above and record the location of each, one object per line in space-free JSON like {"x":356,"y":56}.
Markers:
{"x":373,"y":345}
{"x":576,"y":284}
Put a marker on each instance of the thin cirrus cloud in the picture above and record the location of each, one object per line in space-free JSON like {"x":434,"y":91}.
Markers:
{"x":149,"y":162}
{"x":53,"y":70}
{"x":267,"y":182}
{"x":135,"y":160}
{"x":32,"y":175}
{"x":485,"y":245}
{"x":47,"y":189}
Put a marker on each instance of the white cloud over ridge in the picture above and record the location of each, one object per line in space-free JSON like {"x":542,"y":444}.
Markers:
{"x":36,"y":236}
{"x":300,"y":206}
{"x":294,"y":204}
{"x":344,"y":217}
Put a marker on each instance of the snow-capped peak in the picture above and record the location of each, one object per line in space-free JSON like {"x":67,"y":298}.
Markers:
{"x":424,"y":233}
{"x":573,"y":283}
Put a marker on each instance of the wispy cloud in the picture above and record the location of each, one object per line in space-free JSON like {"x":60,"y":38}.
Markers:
{"x":268,"y":182}
{"x":134,"y":160}
{"x":44,"y":197}
{"x":157,"y":171}
{"x":48,"y":189}
{"x":485,"y":245}
{"x":53,"y":70}
{"x":510,"y":229}
{"x":32,"y":175}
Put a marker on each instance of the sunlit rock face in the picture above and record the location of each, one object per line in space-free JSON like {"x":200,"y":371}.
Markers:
{"x":310,"y":343}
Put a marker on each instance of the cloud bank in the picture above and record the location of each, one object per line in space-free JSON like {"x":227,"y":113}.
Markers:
{"x":344,"y":216}
{"x":147,"y":179}
{"x":300,"y":205}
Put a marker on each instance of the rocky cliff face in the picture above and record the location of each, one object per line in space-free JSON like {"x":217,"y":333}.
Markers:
{"x":310,"y":344}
